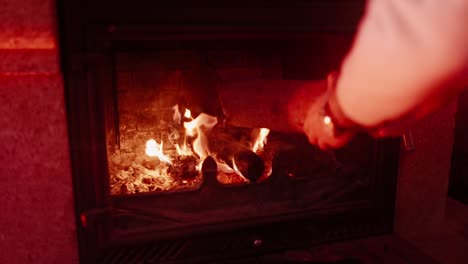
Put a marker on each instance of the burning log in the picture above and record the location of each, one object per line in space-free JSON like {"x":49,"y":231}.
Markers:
{"x":237,"y":156}
{"x":242,"y":167}
{"x":279,"y":105}
{"x":249,"y":164}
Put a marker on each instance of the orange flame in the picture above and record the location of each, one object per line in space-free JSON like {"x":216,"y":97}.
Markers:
{"x":237,"y":169}
{"x":188,"y":114}
{"x":194,"y":127}
{"x":225,"y":168}
{"x":261,"y":140}
{"x":184,"y":150}
{"x":154,"y":149}
{"x":176,"y":116}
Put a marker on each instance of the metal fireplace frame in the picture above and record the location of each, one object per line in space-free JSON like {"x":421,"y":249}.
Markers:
{"x":89,"y":35}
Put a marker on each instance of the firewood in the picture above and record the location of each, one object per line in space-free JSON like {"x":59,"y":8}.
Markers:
{"x":279,"y":105}
{"x":249,"y":164}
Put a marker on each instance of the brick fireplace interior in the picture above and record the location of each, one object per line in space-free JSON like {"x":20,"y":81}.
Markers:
{"x":42,"y":221}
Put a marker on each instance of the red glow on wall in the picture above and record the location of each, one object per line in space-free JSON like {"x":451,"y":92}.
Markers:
{"x":43,"y":42}
{"x":13,"y":74}
{"x":84,"y":220}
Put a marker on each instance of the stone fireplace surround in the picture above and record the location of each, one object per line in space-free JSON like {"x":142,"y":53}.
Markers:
{"x":37,"y":222}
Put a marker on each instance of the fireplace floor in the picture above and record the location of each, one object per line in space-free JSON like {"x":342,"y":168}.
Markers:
{"x":376,"y":250}
{"x":386,"y":249}
{"x":444,"y":244}
{"x":447,"y":242}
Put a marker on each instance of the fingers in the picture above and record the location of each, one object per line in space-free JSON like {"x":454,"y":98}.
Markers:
{"x":326,"y":144}
{"x":334,"y":142}
{"x":324,"y":138}
{"x":319,"y":132}
{"x":332,"y":78}
{"x":392,"y":130}
{"x":323,"y":146}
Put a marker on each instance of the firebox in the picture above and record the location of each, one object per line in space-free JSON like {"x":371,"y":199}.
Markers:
{"x":163,"y":173}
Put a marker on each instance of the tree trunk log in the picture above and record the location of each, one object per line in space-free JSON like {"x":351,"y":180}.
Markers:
{"x":279,"y":105}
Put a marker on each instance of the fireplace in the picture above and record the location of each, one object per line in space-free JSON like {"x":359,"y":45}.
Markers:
{"x":161,"y":174}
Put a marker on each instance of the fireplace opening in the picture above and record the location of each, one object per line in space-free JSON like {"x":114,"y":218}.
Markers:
{"x":167,"y":116}
{"x":160,"y":164}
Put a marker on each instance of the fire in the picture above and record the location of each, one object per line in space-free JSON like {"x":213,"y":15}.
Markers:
{"x":191,"y":127}
{"x":188,"y":114}
{"x":184,"y":150}
{"x":195,"y":142}
{"x":261,"y":140}
{"x":176,"y":116}
{"x":194,"y":128}
{"x":224,"y":167}
{"x":198,"y":126}
{"x":236,"y":168}
{"x":154,"y":149}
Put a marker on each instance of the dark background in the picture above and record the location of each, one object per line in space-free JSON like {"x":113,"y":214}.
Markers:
{"x":458,"y":185}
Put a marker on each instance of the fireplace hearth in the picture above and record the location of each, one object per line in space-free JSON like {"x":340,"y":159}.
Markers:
{"x":162,"y":175}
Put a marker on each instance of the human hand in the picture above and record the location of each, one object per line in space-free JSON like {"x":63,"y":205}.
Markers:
{"x":319,"y":127}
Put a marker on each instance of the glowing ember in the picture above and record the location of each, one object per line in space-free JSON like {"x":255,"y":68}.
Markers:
{"x":228,"y":175}
{"x":261,"y":140}
{"x":154,"y":149}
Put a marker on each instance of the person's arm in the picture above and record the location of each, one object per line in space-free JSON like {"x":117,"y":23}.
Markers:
{"x":409,"y":58}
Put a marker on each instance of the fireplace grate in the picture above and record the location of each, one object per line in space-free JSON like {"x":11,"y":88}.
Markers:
{"x":166,"y":252}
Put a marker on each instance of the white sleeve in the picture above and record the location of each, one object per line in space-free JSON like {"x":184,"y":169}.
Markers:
{"x":405,"y":51}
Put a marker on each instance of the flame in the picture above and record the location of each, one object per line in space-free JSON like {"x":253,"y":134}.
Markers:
{"x":154,"y":149}
{"x":194,"y":127}
{"x":224,"y":167}
{"x":176,"y":116}
{"x":191,"y":127}
{"x":188,"y":114}
{"x":236,"y":168}
{"x":261,"y":140}
{"x":184,"y":150}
